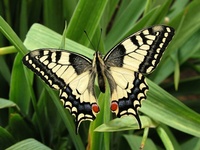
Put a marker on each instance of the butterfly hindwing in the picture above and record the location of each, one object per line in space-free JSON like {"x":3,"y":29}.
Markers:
{"x":129,"y":105}
{"x":128,"y":89}
{"x":70,"y":73}
{"x":79,"y":98}
{"x":126,"y":62}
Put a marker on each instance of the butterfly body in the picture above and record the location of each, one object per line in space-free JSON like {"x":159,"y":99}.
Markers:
{"x":123,"y":67}
{"x":100,"y":67}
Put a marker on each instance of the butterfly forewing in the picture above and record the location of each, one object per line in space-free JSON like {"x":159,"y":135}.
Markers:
{"x":70,"y":73}
{"x":126,"y":62}
{"x":142,"y":51}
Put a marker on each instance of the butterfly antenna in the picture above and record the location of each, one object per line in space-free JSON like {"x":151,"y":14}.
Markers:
{"x":89,"y":39}
{"x":99,"y":39}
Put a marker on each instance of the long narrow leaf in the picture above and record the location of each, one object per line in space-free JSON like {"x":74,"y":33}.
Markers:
{"x":188,"y":34}
{"x":78,"y":24}
{"x":162,"y":106}
{"x":30,"y":144}
{"x":11,"y":35}
{"x":40,"y":36}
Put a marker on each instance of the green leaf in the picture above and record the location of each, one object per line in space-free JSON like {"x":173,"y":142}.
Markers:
{"x":4,"y":103}
{"x":192,"y":144}
{"x":176,"y":74}
{"x":30,"y":144}
{"x":11,"y":35}
{"x":20,"y":127}
{"x":167,"y":138}
{"x":193,"y":83}
{"x":78,"y":24}
{"x":108,"y":13}
{"x":177,"y":7}
{"x":103,"y":116}
{"x":6,"y":139}
{"x":66,"y":118}
{"x":125,"y":123}
{"x":185,"y":43}
{"x":162,"y":11}
{"x":4,"y":69}
{"x":165,"y":108}
{"x":53,"y":15}
{"x":49,"y":122}
{"x":40,"y":36}
{"x":135,"y":143}
{"x":23,"y":19}
{"x":18,"y":82}
{"x":124,"y":22}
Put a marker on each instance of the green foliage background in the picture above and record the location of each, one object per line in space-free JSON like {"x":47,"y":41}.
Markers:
{"x":31,"y":115}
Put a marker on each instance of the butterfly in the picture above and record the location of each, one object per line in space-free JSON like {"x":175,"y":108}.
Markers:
{"x":124,"y":67}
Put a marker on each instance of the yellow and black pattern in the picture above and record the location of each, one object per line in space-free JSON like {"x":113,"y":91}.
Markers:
{"x":123,"y":66}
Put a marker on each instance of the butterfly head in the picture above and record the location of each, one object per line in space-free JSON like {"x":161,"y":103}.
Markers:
{"x":97,"y":54}
{"x":98,"y":62}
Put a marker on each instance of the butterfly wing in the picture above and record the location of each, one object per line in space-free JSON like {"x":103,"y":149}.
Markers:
{"x":126,"y":62}
{"x":72,"y":75}
{"x":128,"y":89}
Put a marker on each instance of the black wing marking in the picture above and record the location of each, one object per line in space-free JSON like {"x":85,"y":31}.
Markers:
{"x":70,"y":73}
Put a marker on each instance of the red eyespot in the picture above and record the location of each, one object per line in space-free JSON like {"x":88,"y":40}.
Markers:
{"x":114,"y":106}
{"x":95,"y":108}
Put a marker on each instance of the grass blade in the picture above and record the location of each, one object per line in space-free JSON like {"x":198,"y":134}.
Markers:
{"x":90,"y":10}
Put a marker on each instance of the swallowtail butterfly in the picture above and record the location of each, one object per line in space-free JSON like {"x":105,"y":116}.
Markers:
{"x":123,"y":67}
